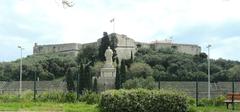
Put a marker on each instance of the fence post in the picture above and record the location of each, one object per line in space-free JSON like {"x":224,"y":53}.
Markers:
{"x":35,"y":88}
{"x":197,"y":92}
{"x":78,"y":82}
{"x":233,"y":95}
{"x":159,"y":82}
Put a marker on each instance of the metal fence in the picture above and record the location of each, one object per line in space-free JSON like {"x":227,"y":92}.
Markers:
{"x":217,"y":89}
{"x":189,"y":87}
{"x":41,"y":86}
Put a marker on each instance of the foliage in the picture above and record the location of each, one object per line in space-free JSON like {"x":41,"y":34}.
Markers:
{"x":217,"y":101}
{"x":169,"y":65}
{"x":105,"y":43}
{"x":70,"y":97}
{"x":88,"y":53}
{"x":123,"y":71}
{"x":51,"y":96}
{"x":141,"y":100}
{"x":148,"y":83}
{"x":46,"y":66}
{"x":118,"y":76}
{"x":96,"y":69}
{"x":140,"y":70}
{"x":90,"y":97}
{"x":69,"y":79}
{"x":95,"y":85}
{"x":85,"y":60}
{"x":235,"y":71}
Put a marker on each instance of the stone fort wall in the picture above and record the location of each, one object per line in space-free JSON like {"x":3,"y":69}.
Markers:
{"x":125,"y":46}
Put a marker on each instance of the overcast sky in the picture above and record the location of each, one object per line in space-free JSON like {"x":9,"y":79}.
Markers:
{"x":201,"y":22}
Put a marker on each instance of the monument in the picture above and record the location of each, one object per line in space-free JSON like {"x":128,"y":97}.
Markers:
{"x":108,"y":73}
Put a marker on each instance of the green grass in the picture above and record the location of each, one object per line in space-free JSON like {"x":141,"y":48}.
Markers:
{"x":42,"y":106}
{"x":217,"y":109}
{"x":82,"y":107}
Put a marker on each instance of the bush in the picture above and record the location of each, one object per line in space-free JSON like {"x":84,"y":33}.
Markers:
{"x":26,"y":96}
{"x":70,"y":97}
{"x":52,"y":96}
{"x":90,"y":97}
{"x":148,"y":83}
{"x":142,"y":100}
{"x":217,"y":101}
{"x":9,"y":98}
{"x":191,"y":101}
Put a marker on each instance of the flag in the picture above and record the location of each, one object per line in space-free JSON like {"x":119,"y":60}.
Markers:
{"x":112,"y":20}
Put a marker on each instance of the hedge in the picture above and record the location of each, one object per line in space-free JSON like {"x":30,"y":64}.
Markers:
{"x":142,"y":100}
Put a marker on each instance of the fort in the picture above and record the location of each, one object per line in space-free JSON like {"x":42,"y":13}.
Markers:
{"x":125,"y":46}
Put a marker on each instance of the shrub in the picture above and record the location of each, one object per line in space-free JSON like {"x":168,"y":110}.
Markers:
{"x":148,"y":83}
{"x":52,"y":96}
{"x":26,"y":96}
{"x":90,"y":97}
{"x":9,"y":98}
{"x":142,"y":100}
{"x":191,"y":101}
{"x":70,"y":97}
{"x":218,"y":101}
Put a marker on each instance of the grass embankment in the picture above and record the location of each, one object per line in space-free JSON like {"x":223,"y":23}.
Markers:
{"x":47,"y":106}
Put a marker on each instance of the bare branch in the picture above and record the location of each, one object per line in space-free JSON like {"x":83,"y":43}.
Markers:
{"x":67,"y":3}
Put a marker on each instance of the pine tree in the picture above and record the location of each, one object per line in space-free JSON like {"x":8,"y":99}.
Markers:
{"x":95,"y":88}
{"x":118,"y":76}
{"x":123,"y":72}
{"x":69,"y":80}
{"x":105,"y":42}
{"x":82,"y":79}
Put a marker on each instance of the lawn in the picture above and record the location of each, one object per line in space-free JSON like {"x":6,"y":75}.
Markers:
{"x":217,"y":109}
{"x":82,"y":107}
{"x":40,"y":107}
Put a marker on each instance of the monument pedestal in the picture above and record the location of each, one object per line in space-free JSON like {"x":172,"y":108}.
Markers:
{"x":107,"y":79}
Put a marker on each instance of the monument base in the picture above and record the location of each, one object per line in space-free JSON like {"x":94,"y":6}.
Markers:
{"x":107,"y":79}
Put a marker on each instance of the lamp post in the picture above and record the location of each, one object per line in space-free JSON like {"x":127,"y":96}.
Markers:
{"x":20,"y":79}
{"x":209,"y":83}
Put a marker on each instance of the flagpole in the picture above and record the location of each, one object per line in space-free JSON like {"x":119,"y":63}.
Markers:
{"x":113,"y":22}
{"x":114,"y":26}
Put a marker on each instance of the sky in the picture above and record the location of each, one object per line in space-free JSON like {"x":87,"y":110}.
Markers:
{"x":201,"y":22}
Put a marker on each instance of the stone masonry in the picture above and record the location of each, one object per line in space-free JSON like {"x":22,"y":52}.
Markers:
{"x":125,"y":46}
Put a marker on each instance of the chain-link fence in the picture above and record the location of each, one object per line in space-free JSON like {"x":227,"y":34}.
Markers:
{"x":41,"y":86}
{"x":189,"y":87}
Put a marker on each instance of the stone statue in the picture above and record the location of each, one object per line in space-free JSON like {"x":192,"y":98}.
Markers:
{"x":108,"y":55}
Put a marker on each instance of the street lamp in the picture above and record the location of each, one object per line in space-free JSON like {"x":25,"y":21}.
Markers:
{"x":20,"y":79}
{"x":209,"y":84}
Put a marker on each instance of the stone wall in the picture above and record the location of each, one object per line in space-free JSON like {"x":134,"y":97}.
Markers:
{"x":69,"y":48}
{"x":125,"y":46}
{"x":182,"y":48}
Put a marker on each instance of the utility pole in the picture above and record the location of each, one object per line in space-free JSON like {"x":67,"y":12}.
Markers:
{"x":20,"y":78}
{"x":209,"y":83}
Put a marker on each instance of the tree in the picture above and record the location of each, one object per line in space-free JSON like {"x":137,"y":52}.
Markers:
{"x":96,"y":69}
{"x":123,"y":77}
{"x":235,"y":71}
{"x":88,"y":53}
{"x":140,"y":70}
{"x":105,"y":43}
{"x":69,"y":79}
{"x":118,"y":76}
{"x":148,"y":83}
{"x":95,"y":85}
